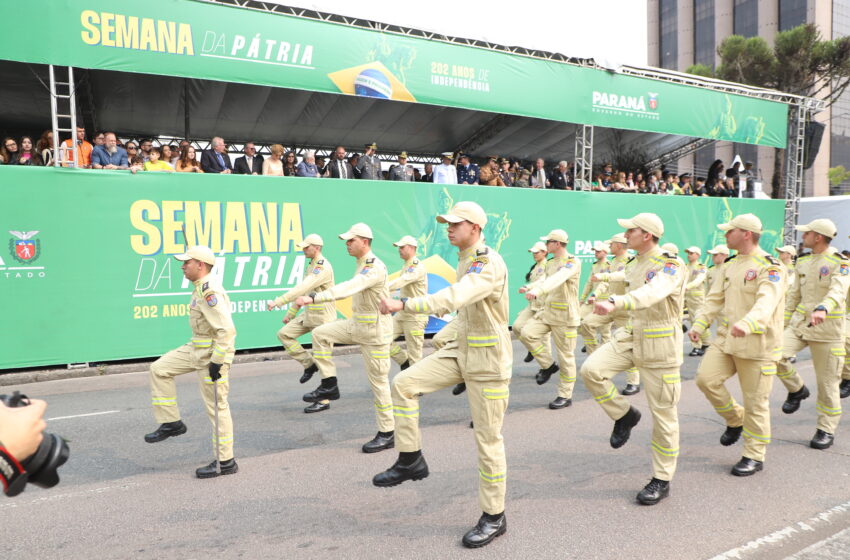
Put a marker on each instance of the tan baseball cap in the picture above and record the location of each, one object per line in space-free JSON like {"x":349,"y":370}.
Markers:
{"x":198,"y":252}
{"x":646,"y":221}
{"x":406,"y":240}
{"x":669,"y":248}
{"x":822,"y":226}
{"x":746,"y":222}
{"x":556,"y":235}
{"x":719,"y":250}
{"x":618,"y":238}
{"x":537,"y":247}
{"x":357,"y":230}
{"x":601,"y":246}
{"x":465,"y":211}
{"x":790,"y":249}
{"x":694,"y":249}
{"x":312,"y":239}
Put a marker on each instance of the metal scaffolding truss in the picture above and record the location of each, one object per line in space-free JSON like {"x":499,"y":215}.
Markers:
{"x":794,"y":169}
{"x":584,"y":157}
{"x":689,"y":147}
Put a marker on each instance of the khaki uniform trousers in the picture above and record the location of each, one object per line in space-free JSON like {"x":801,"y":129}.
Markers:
{"x":694,"y":304}
{"x":288,"y":336}
{"x":414,"y":336}
{"x":521,"y":320}
{"x":534,"y":335}
{"x":375,"y":356}
{"x":845,"y":373}
{"x":593,"y":326}
{"x":164,"y":393}
{"x":828,"y":359}
{"x":756,"y":379}
{"x":488,"y":401}
{"x":445,"y":335}
{"x":662,"y":387}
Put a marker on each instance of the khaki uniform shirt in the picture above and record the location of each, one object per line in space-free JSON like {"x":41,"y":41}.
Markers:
{"x":560,"y":288}
{"x":412,"y":282}
{"x":480,"y":296}
{"x":213,"y":331}
{"x":655,"y":292}
{"x":713,"y":273}
{"x":319,"y":276}
{"x":366,"y":290}
{"x":748,"y":294}
{"x":696,"y":279}
{"x":487,"y":176}
{"x":822,"y":280}
{"x":598,"y":289}
{"x":538,"y":272}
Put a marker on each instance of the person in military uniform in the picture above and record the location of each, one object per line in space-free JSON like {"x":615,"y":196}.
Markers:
{"x":446,"y":172}
{"x":369,"y":166}
{"x":366,"y":327}
{"x":508,"y":176}
{"x":467,"y":173}
{"x":787,"y":254}
{"x":817,"y":305}
{"x":318,"y":277}
{"x":749,"y":294}
{"x":412,"y":281}
{"x":670,"y":249}
{"x":594,"y":288}
{"x":615,"y":279}
{"x":401,"y":171}
{"x":695,"y":294}
{"x":480,"y":355}
{"x":719,"y":254}
{"x":537,"y":271}
{"x":209,"y":353}
{"x":559,"y":316}
{"x":655,"y":292}
{"x":489,"y":174}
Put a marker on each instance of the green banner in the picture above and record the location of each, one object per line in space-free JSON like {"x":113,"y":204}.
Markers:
{"x":87,"y":272}
{"x":202,"y":40}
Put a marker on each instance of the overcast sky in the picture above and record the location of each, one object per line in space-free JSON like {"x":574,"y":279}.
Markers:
{"x":611,"y":31}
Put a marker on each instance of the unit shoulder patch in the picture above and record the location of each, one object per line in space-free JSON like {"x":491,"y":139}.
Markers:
{"x":671,"y":267}
{"x":211,"y":300}
{"x":476,"y":266}
{"x":774,"y":273}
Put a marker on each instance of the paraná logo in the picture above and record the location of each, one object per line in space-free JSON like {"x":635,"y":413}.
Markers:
{"x":25,"y":249}
{"x":653,"y":100}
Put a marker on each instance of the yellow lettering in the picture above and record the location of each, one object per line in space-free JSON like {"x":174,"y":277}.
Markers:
{"x":203,"y":229}
{"x":149,"y":242}
{"x":127,"y":32}
{"x":184,"y":40}
{"x":263,"y":227}
{"x":290,"y":226}
{"x":166,"y":36}
{"x":148,"y":39}
{"x":107,"y":28}
{"x":171,"y":226}
{"x":236,"y":228}
{"x":90,"y":19}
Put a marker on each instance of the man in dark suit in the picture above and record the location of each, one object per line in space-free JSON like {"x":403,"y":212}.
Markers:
{"x":250,"y":163}
{"x":215,"y":159}
{"x":561,"y":177}
{"x":338,"y":167}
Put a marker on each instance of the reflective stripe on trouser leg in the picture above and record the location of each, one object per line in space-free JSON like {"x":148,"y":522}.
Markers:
{"x":714,"y":370}
{"x":377,"y":359}
{"x":397,"y":353}
{"x":565,"y":343}
{"x":225,"y":422}
{"x":488,"y":401}
{"x":425,"y":376}
{"x":694,"y":304}
{"x":791,"y":345}
{"x":597,"y":371}
{"x":288,"y":336}
{"x":534,"y":337}
{"x":845,"y":372}
{"x":828,"y":359}
{"x":591,"y":324}
{"x":324,"y":338}
{"x":756,"y":378}
{"x":663,"y":389}
{"x":162,"y":373}
{"x":633,"y":376}
{"x":414,"y":337}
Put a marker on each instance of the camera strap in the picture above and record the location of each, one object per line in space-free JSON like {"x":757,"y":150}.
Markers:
{"x":12,"y":474}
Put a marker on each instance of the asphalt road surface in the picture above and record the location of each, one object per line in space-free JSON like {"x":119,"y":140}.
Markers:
{"x":304,"y":487}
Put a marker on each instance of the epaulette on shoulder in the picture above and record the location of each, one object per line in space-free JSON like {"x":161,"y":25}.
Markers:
{"x":205,"y":287}
{"x":729,"y":258}
{"x":668,"y":255}
{"x":842,"y":256}
{"x":630,"y":260}
{"x":483,"y":251}
{"x":415,"y":261}
{"x":771,"y":259}
{"x":321,"y":261}
{"x":370,"y":261}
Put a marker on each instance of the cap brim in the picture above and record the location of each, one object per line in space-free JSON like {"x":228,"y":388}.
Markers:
{"x":725,"y":227}
{"x":625,"y":223}
{"x":183,"y":257}
{"x":802,"y":228}
{"x":450,"y":219}
{"x":346,"y":236}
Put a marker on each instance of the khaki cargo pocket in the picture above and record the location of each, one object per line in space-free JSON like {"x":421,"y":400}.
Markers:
{"x":482,"y":354}
{"x":671,"y":389}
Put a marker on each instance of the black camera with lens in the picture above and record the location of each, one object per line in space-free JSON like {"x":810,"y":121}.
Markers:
{"x":40,"y":467}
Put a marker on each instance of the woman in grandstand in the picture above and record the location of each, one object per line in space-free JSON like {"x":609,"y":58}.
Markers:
{"x":166,"y":155}
{"x":187,"y":162}
{"x":8,"y":151}
{"x":155,"y":163}
{"x":28,"y":154}
{"x":290,"y":166}
{"x":274,"y":164}
{"x":44,"y":147}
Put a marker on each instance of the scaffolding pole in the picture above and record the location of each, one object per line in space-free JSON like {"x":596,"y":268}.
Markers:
{"x":584,"y":157}
{"x":794,"y":172}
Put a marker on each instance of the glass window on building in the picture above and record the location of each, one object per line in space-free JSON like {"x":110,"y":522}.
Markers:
{"x":704,"y":32}
{"x":792,"y":13}
{"x":746,"y":18}
{"x":669,"y":34}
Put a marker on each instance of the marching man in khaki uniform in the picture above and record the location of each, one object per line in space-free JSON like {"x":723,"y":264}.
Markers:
{"x":787,"y":254}
{"x":750,"y":295}
{"x":594,"y":288}
{"x":318,"y":277}
{"x":615,"y":277}
{"x":655,"y":292}
{"x":538,"y":271}
{"x":209,"y":353}
{"x":817,"y":301}
{"x":559,"y":316}
{"x":695,"y":294}
{"x":719,"y":254}
{"x":366,"y":327}
{"x":412,"y":282}
{"x":481,"y":356}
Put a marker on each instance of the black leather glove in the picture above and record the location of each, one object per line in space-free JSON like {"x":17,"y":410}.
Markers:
{"x":215,"y":371}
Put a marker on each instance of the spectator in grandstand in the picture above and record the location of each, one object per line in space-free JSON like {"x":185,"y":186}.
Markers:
{"x":175,"y":154}
{"x":253,"y":164}
{"x":598,"y":184}
{"x":339,"y":168}
{"x":84,"y":149}
{"x":145,"y":145}
{"x":99,"y":139}
{"x":320,"y":165}
{"x":166,"y":155}
{"x":467,"y":172}
{"x":271,"y":166}
{"x":699,"y":187}
{"x":44,"y":147}
{"x":508,"y":175}
{"x":685,"y":184}
{"x":630,"y":181}
{"x":188,"y":162}
{"x":109,"y":155}
{"x":715,"y":173}
{"x":215,"y":159}
{"x":664,"y":189}
{"x":28,"y":154}
{"x":642,"y":187}
{"x":353,"y":160}
{"x":401,"y":171}
{"x":522,"y":181}
{"x":428,"y":176}
{"x":308,"y":167}
{"x":445,"y":173}
{"x":132,"y":151}
{"x":8,"y":151}
{"x":154,"y":162}
{"x":417,"y":175}
{"x":290,"y":164}
{"x":560,"y":178}
{"x":539,"y":179}
{"x":734,"y":170}
{"x":489,"y":175}
{"x":623,"y":185}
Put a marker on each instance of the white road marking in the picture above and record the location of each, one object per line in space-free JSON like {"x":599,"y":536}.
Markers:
{"x":83,"y":415}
